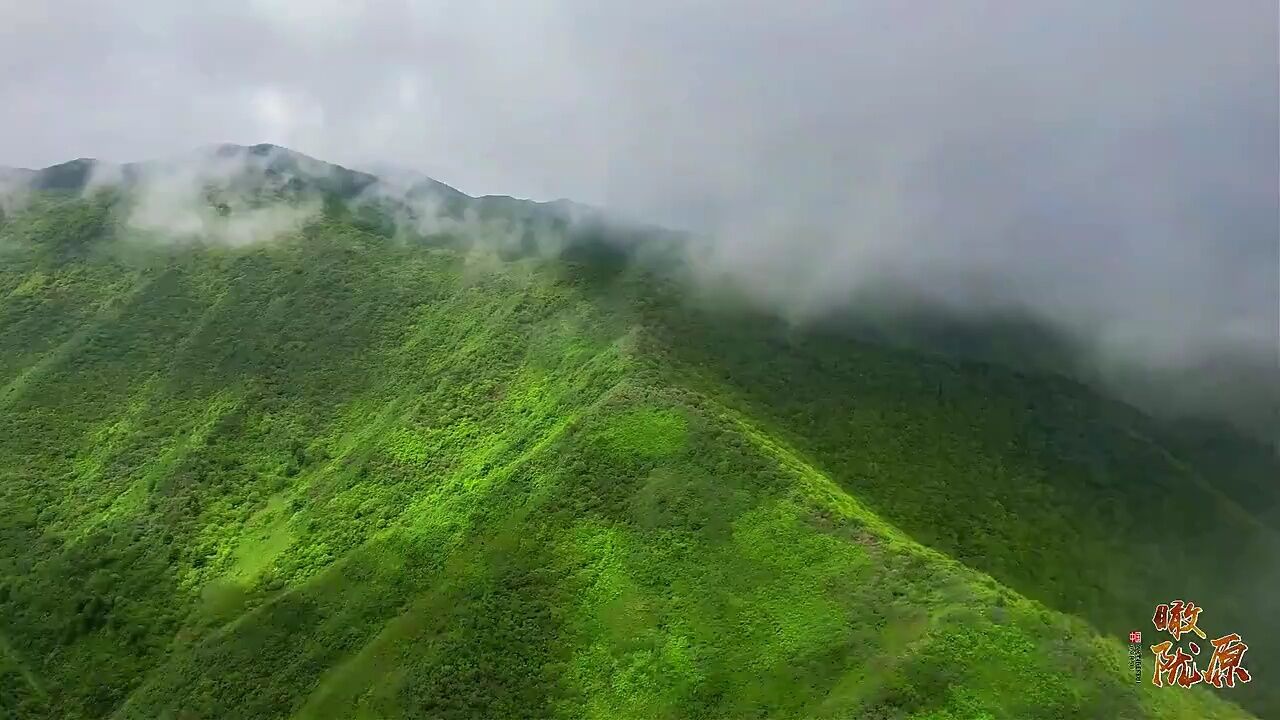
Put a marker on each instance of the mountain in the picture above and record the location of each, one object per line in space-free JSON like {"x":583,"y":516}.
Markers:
{"x":411,"y":181}
{"x":10,"y":177}
{"x":227,"y":163}
{"x":278,"y":440}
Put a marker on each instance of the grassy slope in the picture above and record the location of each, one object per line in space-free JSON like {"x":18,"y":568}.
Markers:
{"x":1074,"y":500}
{"x":340,"y":477}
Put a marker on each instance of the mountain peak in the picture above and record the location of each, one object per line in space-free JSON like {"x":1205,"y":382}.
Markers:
{"x":224,"y":162}
{"x":71,"y":175}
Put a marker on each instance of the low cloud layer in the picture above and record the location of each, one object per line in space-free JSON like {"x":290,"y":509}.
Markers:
{"x":1112,"y":166}
{"x":221,"y":195}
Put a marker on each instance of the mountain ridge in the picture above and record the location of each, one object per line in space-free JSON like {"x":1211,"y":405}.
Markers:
{"x":1242,"y":391}
{"x":362,"y":470}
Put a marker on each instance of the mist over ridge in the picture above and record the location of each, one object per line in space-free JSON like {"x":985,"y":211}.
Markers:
{"x":236,"y":195}
{"x":601,"y":359}
{"x":1111,"y":169}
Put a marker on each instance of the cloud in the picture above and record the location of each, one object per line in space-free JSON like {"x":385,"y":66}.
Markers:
{"x":13,"y":190}
{"x":217,"y":194}
{"x":1114,"y":167}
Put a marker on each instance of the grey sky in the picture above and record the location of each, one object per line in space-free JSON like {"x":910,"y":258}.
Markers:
{"x":1116,"y":165}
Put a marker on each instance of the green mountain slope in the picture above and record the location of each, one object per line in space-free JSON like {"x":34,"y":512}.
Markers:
{"x":349,"y":475}
{"x":1074,"y":500}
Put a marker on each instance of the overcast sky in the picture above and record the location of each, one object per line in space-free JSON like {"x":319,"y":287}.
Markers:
{"x":1116,"y":165}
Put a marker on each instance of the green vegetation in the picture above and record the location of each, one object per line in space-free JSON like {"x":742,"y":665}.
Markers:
{"x":350,"y":474}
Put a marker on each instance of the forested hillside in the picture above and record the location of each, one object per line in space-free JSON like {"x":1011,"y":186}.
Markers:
{"x":359,"y":471}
